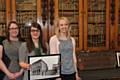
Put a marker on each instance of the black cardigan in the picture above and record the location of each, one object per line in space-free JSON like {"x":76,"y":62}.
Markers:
{"x":6,"y":61}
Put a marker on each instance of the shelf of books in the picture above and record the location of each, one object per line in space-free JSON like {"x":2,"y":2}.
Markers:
{"x":26,"y":13}
{"x":96,"y":23}
{"x":3,"y":16}
{"x":70,"y":9}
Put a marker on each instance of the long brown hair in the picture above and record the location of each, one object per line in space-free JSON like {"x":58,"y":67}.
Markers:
{"x":41,"y":38}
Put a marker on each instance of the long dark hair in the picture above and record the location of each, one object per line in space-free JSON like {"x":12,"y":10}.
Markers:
{"x":8,"y":34}
{"x":41,"y":38}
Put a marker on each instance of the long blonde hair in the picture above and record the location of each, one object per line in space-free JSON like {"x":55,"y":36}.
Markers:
{"x":57,"y":29}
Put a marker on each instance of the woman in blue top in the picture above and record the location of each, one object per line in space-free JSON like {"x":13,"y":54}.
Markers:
{"x":62,"y":43}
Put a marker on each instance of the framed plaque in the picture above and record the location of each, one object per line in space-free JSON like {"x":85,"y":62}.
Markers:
{"x":118,"y":58}
{"x":44,"y":67}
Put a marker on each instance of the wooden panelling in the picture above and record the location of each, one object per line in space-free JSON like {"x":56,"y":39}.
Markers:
{"x":96,"y":60}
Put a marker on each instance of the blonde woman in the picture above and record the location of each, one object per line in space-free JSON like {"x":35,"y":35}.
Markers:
{"x":62,"y":43}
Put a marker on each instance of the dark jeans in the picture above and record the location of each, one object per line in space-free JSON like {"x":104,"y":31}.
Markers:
{"x":2,"y":74}
{"x":68,"y":76}
{"x":49,"y":79}
{"x":52,"y":79}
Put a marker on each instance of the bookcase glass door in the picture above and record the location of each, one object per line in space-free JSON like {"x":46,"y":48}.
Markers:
{"x":70,"y":9}
{"x":3,"y":16}
{"x":26,"y":12}
{"x":96,"y":29}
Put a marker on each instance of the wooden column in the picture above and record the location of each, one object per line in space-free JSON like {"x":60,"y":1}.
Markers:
{"x":8,"y":11}
{"x":56,"y":9}
{"x":39,"y":8}
{"x":116,"y":24}
{"x":81,"y":14}
{"x":85,"y":24}
{"x":107,"y":23}
{"x":13,"y":4}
